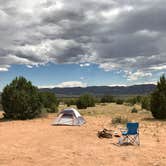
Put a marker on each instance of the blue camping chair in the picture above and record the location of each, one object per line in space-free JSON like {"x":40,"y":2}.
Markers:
{"x":131,"y":133}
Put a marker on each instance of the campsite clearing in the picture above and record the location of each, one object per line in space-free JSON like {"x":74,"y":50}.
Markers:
{"x":36,"y":142}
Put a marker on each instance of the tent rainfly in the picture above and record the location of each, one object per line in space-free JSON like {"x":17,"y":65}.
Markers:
{"x":69,"y":116}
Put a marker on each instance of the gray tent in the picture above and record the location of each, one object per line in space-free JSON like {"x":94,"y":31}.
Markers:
{"x":69,"y":116}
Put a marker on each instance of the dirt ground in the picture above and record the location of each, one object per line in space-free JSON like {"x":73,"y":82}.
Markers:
{"x":37,"y":142}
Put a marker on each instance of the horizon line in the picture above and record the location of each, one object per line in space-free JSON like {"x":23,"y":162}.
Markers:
{"x":51,"y":87}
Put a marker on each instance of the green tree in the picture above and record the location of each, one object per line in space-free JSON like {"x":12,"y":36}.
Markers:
{"x":145,"y":102}
{"x":134,"y":100}
{"x":138,"y":99}
{"x":85,"y":101}
{"x":49,"y":101}
{"x":119,"y":101}
{"x":107,"y":99}
{"x":131,"y":100}
{"x":70,"y":102}
{"x":21,"y":100}
{"x":158,"y":99}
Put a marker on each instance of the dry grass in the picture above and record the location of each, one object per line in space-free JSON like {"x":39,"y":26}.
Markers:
{"x":36,"y":142}
{"x":113,"y":110}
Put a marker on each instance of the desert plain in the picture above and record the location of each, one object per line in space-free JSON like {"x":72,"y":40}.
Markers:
{"x":38,"y":143}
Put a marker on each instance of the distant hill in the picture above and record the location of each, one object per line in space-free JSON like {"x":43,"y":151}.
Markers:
{"x":102,"y":90}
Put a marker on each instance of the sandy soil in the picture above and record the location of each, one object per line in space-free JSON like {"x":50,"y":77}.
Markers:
{"x":36,"y":142}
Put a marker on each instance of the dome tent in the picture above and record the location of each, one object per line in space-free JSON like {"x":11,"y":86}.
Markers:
{"x":69,"y":116}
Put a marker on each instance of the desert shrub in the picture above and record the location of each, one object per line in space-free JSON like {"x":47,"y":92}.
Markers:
{"x":52,"y":109}
{"x":134,"y":100}
{"x":70,"y":102}
{"x":21,"y":100}
{"x":131,"y":101}
{"x":44,"y":112}
{"x":138,"y":99}
{"x":119,"y":120}
{"x":49,"y":101}
{"x":97,"y":100}
{"x":134,"y":110}
{"x":145,"y":102}
{"x":158,"y":99}
{"x":85,"y":101}
{"x":119,"y":101}
{"x":107,"y":99}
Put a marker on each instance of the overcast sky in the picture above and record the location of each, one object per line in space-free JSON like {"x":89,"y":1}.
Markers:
{"x":120,"y":41}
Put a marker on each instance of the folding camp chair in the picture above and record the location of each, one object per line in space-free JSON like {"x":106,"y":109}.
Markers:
{"x":130,"y":135}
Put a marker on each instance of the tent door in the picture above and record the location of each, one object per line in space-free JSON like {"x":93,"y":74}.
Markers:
{"x":67,"y":119}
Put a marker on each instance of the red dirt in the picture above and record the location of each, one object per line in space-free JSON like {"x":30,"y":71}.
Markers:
{"x":36,"y":142}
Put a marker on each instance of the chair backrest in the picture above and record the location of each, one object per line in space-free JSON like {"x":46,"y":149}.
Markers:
{"x":132,"y":128}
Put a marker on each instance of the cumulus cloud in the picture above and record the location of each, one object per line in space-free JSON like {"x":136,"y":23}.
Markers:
{"x":134,"y":76}
{"x":67,"y":84}
{"x":4,"y":67}
{"x":116,"y":35}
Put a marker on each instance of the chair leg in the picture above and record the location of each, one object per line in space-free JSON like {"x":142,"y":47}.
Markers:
{"x":138,"y":140}
{"x":133,"y":139}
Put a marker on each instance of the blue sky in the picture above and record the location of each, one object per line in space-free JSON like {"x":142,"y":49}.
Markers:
{"x":51,"y":75}
{"x":82,"y":42}
{"x":55,"y":74}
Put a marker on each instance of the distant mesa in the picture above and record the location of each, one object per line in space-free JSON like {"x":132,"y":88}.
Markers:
{"x":102,"y":90}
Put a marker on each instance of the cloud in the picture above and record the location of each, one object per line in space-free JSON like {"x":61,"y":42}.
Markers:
{"x":136,"y":75}
{"x":116,"y":35}
{"x":84,"y":64}
{"x":4,"y":68}
{"x":67,"y":84}
{"x":113,"y":85}
{"x":140,"y":83}
{"x":71,"y":84}
{"x":160,"y":67}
